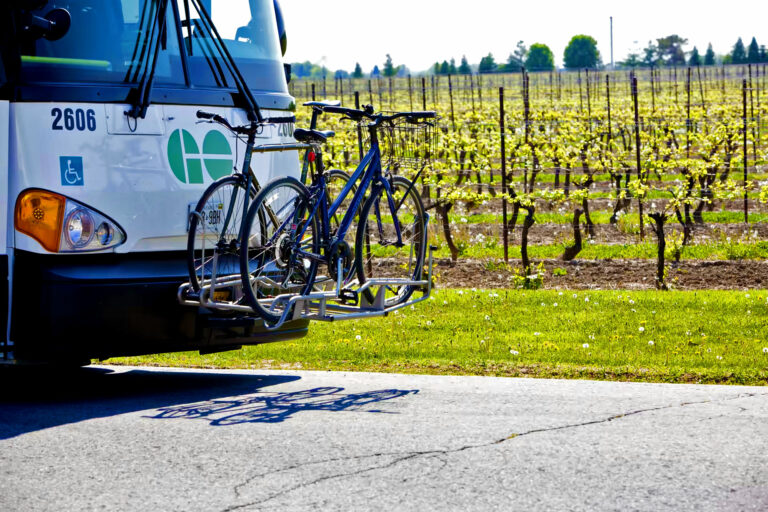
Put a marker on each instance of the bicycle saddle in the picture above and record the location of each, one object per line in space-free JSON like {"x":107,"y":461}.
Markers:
{"x":323,"y":103}
{"x":308,"y":136}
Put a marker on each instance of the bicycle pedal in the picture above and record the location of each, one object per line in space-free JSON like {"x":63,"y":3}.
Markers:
{"x":347,"y":296}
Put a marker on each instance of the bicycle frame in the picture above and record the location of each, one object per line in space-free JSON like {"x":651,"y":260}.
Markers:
{"x":367,"y":172}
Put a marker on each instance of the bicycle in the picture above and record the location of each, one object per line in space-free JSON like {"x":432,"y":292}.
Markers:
{"x":280,"y":255}
{"x":215,"y":224}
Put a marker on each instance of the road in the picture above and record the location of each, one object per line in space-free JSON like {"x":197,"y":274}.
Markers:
{"x":121,"y":438}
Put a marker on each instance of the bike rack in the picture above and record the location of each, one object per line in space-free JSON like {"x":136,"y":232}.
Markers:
{"x":324,"y":306}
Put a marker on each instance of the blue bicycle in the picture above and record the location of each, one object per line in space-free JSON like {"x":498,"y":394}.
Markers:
{"x":281,"y":253}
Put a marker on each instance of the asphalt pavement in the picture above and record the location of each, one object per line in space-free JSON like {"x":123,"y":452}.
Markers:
{"x":123,"y":438}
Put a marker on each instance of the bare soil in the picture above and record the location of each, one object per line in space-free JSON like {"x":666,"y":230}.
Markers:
{"x":609,"y":274}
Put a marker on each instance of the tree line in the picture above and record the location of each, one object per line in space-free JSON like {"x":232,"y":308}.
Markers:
{"x":580,"y":53}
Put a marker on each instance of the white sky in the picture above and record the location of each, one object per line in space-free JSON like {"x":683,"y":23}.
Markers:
{"x":416,"y":33}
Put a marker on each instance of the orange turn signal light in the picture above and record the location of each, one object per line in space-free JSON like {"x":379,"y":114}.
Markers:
{"x":40,"y":214}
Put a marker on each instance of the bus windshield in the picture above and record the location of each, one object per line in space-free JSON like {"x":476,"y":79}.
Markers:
{"x":109,"y":42}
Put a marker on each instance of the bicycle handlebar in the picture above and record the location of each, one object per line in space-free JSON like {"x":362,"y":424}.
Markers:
{"x":358,"y":115}
{"x":247,"y":129}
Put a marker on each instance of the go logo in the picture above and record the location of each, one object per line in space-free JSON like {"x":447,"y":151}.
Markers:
{"x":187,"y":161}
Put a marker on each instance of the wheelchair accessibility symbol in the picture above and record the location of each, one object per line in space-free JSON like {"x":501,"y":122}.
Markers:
{"x":71,"y":171}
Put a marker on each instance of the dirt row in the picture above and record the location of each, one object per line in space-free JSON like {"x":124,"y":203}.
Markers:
{"x":609,"y":274}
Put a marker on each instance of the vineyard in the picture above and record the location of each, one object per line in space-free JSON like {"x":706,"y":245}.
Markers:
{"x":655,"y":178}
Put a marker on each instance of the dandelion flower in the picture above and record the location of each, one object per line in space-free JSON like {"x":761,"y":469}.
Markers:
{"x":592,"y":336}
{"x":641,"y":328}
{"x":445,"y":303}
{"x":651,"y":343}
{"x":358,"y":337}
{"x":537,"y":334}
{"x":513,"y":352}
{"x":543,"y":304}
{"x":765,"y":350}
{"x":586,"y":299}
{"x":575,"y":295}
{"x":429,"y":322}
{"x":554,"y":304}
{"x":586,"y":345}
{"x":482,"y":342}
{"x":412,"y":308}
{"x":746,"y":295}
{"x":560,"y":294}
{"x":487,"y":317}
{"x":719,"y":358}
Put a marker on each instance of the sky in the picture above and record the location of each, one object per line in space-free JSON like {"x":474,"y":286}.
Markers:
{"x":339,"y":33}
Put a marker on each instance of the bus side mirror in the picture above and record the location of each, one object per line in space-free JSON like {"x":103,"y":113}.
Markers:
{"x":53,"y":26}
{"x":280,"y":27}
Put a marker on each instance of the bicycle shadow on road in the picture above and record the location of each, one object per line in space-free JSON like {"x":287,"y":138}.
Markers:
{"x":37,"y":399}
{"x":266,"y":407}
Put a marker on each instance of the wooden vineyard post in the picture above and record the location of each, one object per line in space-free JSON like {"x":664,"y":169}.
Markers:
{"x":359,"y":130}
{"x":410,"y":92}
{"x":744,"y":117}
{"x":450,"y":93}
{"x":370,"y":92}
{"x":313,"y":92}
{"x":341,"y":90}
{"x":505,"y":229}
{"x":637,"y":154}
{"x":688,"y":114}
{"x":424,"y":93}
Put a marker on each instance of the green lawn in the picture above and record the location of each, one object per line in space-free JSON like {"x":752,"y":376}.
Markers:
{"x":492,"y":248}
{"x":703,"y":336}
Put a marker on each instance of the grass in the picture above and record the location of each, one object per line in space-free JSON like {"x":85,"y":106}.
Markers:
{"x":703,"y":336}
{"x":722,"y":250}
{"x":603,"y":217}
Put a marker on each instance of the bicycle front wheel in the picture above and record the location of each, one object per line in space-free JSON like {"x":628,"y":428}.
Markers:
{"x":213,"y":240}
{"x":378,"y":254}
{"x":279,"y":231}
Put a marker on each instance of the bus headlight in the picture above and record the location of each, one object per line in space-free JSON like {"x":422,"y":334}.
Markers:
{"x":62,"y":224}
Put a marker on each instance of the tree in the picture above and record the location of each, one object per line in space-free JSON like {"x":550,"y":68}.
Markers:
{"x":739,"y":54}
{"x":581,"y":52}
{"x":389,"y":69}
{"x":670,"y":50}
{"x":375,"y":73}
{"x":464,"y":68}
{"x":763,"y":54}
{"x":753,"y":52}
{"x":632,"y":61}
{"x":540,"y":58}
{"x":358,"y":72}
{"x":340,"y":73}
{"x":487,"y":64}
{"x":651,"y":55}
{"x":709,"y":57}
{"x":436,"y":68}
{"x":445,"y":68}
{"x":452,"y":67}
{"x":695,"y":58}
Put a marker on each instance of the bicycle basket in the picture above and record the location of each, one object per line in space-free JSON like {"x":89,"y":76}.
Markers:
{"x":407,"y":145}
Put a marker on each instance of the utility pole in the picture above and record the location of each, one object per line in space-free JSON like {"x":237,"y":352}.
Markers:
{"x":612,"y":68}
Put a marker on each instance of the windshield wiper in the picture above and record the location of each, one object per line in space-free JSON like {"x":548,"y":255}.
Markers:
{"x":250,"y":106}
{"x":144,"y":90}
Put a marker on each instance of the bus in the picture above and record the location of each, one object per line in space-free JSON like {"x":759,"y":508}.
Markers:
{"x":102,"y":157}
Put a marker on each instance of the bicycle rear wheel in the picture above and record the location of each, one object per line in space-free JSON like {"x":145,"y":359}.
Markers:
{"x":279,"y":229}
{"x":213,"y":240}
{"x":378,"y":254}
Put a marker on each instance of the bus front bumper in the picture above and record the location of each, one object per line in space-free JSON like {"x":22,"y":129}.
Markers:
{"x":79,"y":307}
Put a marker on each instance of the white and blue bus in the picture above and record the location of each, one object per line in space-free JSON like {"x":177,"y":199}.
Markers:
{"x":101,"y":156}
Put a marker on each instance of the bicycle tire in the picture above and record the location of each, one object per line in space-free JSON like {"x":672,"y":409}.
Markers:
{"x":370,"y":258}
{"x":221,"y":247}
{"x":266,"y":252}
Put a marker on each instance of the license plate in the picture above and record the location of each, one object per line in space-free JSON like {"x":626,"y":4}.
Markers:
{"x":211,"y":218}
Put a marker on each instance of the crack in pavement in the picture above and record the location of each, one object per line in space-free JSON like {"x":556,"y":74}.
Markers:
{"x":405,"y":456}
